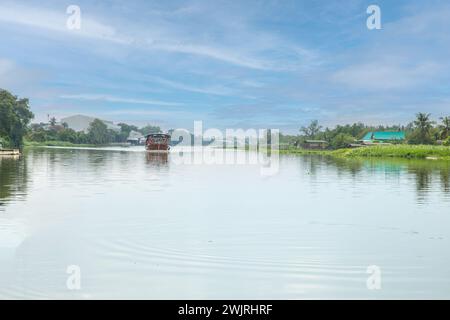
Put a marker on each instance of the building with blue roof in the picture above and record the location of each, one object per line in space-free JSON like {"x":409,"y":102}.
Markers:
{"x":384,"y":136}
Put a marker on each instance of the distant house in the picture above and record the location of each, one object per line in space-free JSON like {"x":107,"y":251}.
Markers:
{"x":384,"y":136}
{"x":136,"y":138}
{"x":315,"y":144}
{"x":82,"y":123}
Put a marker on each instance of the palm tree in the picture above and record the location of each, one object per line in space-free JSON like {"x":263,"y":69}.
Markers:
{"x":423,"y":122}
{"x":423,"y":126}
{"x":445,"y":132}
{"x":53,"y":121}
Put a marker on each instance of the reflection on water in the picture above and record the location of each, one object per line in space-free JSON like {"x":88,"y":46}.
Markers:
{"x":158,"y":158}
{"x":141,"y":226}
{"x":13,"y":179}
{"x":425,"y":174}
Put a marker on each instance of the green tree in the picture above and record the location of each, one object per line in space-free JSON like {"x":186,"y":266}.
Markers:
{"x":82,"y":138}
{"x":445,"y":127}
{"x":37,"y":134}
{"x":342,"y":140}
{"x":422,"y":129}
{"x":15,"y":115}
{"x":125,"y":130}
{"x":312,"y":130}
{"x":52,"y":121}
{"x":150,"y":129}
{"x":447,"y":142}
{"x":98,"y":132}
{"x":67,"y":135}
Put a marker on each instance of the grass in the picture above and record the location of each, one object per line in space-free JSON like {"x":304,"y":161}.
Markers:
{"x":404,"y":151}
{"x":305,"y":151}
{"x":382,"y":151}
{"x":397,"y":151}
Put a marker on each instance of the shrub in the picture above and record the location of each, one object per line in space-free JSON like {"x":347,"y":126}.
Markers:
{"x":400,"y":151}
{"x":418,"y":137}
{"x":342,"y":140}
{"x":4,"y":142}
{"x":447,"y":142}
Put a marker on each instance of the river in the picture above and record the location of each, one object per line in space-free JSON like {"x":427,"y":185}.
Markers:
{"x":143,"y":226}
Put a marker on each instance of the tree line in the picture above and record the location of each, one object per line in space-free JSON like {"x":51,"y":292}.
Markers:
{"x":422,"y":130}
{"x":98,"y":133}
{"x":15,"y":118}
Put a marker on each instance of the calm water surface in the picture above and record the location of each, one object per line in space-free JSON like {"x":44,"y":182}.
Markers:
{"x":141,"y":226}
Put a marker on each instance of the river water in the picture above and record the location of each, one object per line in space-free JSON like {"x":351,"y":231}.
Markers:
{"x":138,"y":225}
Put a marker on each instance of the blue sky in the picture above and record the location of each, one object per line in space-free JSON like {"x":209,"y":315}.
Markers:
{"x":247,"y":64}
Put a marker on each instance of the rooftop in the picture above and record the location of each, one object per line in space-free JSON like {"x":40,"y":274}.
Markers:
{"x":384,"y":135}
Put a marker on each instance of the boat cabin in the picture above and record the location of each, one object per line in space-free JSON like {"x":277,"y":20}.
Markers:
{"x":157,"y":142}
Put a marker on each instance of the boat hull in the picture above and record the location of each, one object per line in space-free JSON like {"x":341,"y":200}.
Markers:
{"x":157,"y":148}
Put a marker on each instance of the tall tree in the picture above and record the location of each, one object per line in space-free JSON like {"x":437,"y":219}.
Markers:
{"x":423,"y":126}
{"x":98,"y":132}
{"x":15,"y":115}
{"x":445,"y":127}
{"x":423,"y":122}
{"x":125,"y":130}
{"x":52,"y":121}
{"x":312,"y":130}
{"x":150,"y":129}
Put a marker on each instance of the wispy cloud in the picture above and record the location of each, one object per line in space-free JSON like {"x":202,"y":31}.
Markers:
{"x":51,"y":20}
{"x":219,"y":90}
{"x":257,"y":50}
{"x":13,"y":76}
{"x":114,"y":99}
{"x":386,"y":75}
{"x":230,"y":61}
{"x":402,"y":56}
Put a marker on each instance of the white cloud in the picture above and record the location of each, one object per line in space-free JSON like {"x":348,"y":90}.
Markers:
{"x":13,"y":76}
{"x":35,"y":17}
{"x":222,"y":54}
{"x":108,"y":98}
{"x":243,"y":48}
{"x":409,"y":53}
{"x":385,"y":75}
{"x":139,"y":112}
{"x":213,"y":90}
{"x":5,"y":67}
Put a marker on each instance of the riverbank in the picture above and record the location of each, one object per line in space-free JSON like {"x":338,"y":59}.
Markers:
{"x":380,"y":151}
{"x":9,"y":152}
{"x":55,"y":144}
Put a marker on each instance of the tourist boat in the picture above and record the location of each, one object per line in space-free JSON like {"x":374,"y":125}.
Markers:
{"x":158,"y":142}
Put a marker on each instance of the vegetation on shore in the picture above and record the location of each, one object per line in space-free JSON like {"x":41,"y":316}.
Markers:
{"x":55,"y":143}
{"x":381,"y":151}
{"x":97,"y":134}
{"x":15,"y":115}
{"x":421,"y":131}
{"x":397,"y":151}
{"x":424,"y":138}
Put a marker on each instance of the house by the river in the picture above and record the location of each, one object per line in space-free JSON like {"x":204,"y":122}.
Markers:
{"x":384,"y":137}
